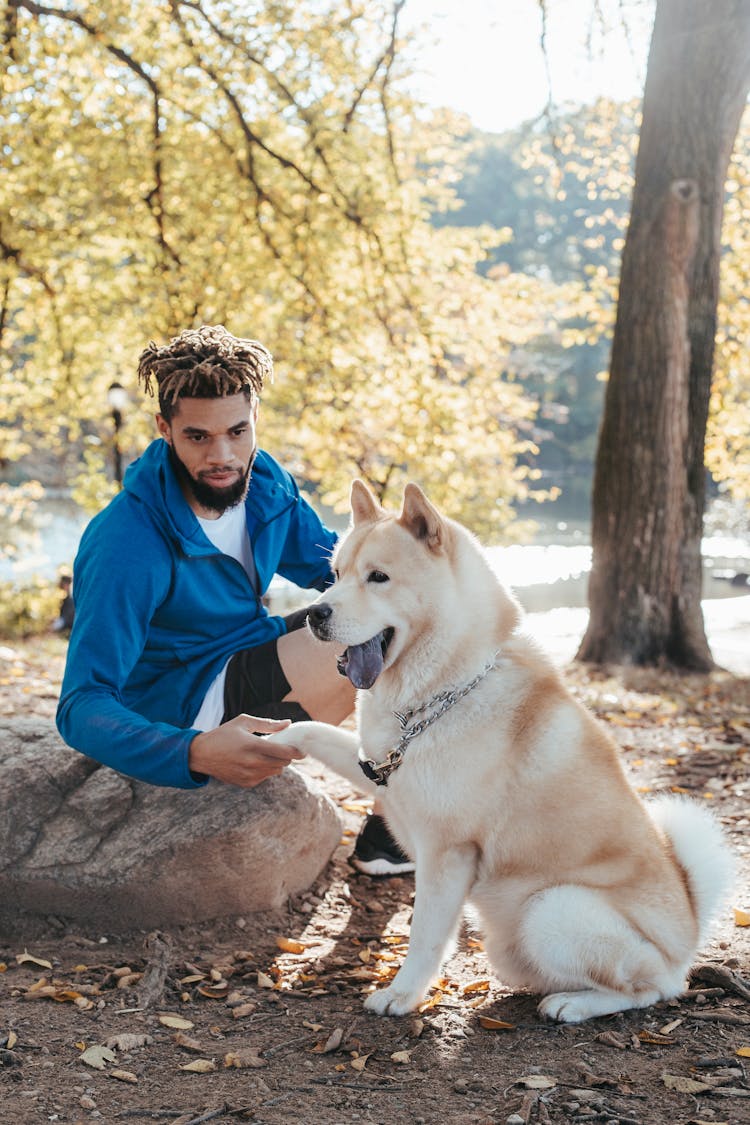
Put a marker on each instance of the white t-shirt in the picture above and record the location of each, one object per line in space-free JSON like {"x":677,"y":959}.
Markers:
{"x":229,"y":534}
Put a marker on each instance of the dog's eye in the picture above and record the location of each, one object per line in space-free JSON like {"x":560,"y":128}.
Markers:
{"x":377,"y":576}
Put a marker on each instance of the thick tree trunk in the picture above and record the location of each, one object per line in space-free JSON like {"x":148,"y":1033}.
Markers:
{"x":649,"y":484}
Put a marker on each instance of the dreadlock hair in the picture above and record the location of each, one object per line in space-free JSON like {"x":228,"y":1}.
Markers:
{"x":206,"y":362}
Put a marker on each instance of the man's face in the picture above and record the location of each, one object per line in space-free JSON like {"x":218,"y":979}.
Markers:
{"x":213,"y":448}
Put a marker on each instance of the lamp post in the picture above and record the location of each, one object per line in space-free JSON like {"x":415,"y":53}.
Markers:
{"x":117,"y":397}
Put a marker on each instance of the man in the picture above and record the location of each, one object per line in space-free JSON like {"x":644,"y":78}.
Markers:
{"x":172,"y":649}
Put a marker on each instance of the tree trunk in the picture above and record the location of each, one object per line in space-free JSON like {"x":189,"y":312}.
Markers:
{"x":649,"y":482}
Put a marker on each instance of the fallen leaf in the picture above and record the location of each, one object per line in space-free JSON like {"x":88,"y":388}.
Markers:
{"x":476,"y":986}
{"x":176,"y":1021}
{"x":123,"y":1076}
{"x":13,"y":1039}
{"x":536,"y":1082}
{"x":741,"y":918}
{"x":25,"y":958}
{"x":128,"y":1041}
{"x":611,"y":1039}
{"x":495,"y":1025}
{"x":655,"y":1038}
{"x":332,"y":1043}
{"x":187,"y":1043}
{"x":264,"y":981}
{"x":63,"y":994}
{"x":360,"y":1062}
{"x":193,"y":978}
{"x":97,"y":1056}
{"x":436,"y":998}
{"x":289,"y":945}
{"x":684,"y":1085}
{"x":200,"y":1066}
{"x":243,"y":1010}
{"x":312,"y":1026}
{"x":38,"y":986}
{"x":743,"y":1052}
{"x":401,"y":1057}
{"x":214,"y":991}
{"x":244,"y":1057}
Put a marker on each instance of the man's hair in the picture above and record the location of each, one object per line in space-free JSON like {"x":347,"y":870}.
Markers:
{"x":206,"y":362}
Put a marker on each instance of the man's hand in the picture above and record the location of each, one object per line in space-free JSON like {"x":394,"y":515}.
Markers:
{"x":235,"y":753}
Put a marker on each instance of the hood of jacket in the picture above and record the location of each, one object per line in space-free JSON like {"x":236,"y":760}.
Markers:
{"x":152,"y":480}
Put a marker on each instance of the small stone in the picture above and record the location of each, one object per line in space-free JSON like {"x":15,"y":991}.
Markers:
{"x":461,"y":1086}
{"x":85,"y":1102}
{"x":515,"y":1119}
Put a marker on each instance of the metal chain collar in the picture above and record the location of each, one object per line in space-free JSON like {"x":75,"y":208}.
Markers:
{"x":444,"y":700}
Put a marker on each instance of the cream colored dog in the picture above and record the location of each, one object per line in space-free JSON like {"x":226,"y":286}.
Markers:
{"x":506,"y":793}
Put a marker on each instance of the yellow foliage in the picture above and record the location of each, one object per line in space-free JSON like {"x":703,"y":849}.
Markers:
{"x":166,"y":167}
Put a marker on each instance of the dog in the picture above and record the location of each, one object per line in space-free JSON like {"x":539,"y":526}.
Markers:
{"x":507,"y":794}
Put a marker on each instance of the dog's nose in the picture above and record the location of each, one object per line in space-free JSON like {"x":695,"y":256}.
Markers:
{"x":319,"y":613}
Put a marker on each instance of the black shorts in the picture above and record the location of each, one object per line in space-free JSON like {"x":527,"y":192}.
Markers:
{"x":255,"y":683}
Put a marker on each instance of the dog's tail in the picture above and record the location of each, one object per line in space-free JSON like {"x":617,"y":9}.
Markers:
{"x":701,"y":849}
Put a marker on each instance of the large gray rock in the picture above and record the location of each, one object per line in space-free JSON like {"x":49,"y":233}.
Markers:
{"x":80,"y":841}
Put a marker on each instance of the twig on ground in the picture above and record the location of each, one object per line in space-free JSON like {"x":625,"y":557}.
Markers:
{"x":722,"y":977}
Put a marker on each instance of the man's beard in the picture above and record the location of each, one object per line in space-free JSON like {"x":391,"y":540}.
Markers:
{"x":213,"y":499}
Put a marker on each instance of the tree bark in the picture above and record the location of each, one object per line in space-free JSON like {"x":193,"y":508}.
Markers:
{"x":649,"y":481}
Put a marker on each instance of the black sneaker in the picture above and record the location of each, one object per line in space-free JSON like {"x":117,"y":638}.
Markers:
{"x":376,"y":852}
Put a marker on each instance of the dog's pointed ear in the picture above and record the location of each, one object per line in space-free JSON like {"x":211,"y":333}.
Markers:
{"x":365,"y":508}
{"x":421,"y":519}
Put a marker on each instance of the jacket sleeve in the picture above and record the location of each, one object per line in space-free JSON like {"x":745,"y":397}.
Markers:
{"x":116,"y":595}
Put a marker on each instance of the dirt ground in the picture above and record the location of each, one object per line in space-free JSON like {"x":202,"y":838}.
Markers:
{"x":260,"y":1018}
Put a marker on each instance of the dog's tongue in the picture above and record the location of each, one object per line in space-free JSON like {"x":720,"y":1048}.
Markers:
{"x":363,"y":663}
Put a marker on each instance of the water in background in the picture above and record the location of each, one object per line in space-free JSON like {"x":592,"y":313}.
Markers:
{"x":548,"y":573}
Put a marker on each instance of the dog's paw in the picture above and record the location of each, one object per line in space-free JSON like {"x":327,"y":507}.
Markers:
{"x":391,"y":1002}
{"x":567,"y":1007}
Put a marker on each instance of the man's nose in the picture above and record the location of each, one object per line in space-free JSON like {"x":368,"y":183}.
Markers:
{"x":220,"y":451}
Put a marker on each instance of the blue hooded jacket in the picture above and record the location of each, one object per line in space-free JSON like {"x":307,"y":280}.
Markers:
{"x":159,"y":610}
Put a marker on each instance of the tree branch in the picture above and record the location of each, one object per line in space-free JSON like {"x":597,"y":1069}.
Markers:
{"x":154,"y":199}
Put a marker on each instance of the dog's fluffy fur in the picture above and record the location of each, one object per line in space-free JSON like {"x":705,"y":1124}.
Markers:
{"x":514,"y":800}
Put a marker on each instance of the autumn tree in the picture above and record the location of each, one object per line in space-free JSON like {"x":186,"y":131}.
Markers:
{"x":258,"y":166}
{"x":649,"y":487}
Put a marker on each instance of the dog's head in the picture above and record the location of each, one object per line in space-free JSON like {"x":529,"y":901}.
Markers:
{"x":392,"y":582}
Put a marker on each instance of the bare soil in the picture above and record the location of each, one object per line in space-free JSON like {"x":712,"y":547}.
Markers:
{"x":272,"y":1026}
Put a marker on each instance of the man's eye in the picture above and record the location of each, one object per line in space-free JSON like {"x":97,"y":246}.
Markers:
{"x":377,"y":576}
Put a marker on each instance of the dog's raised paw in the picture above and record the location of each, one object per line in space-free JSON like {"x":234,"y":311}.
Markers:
{"x":389,"y":1002}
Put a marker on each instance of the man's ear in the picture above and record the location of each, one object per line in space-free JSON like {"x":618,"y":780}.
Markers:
{"x":164,"y":428}
{"x":365,"y":508}
{"x":421,"y":519}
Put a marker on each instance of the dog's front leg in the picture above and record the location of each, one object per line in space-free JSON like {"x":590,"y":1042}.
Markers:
{"x":336,"y":748}
{"x":443,"y":882}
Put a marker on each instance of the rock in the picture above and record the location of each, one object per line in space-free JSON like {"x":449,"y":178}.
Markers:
{"x":81,"y":841}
